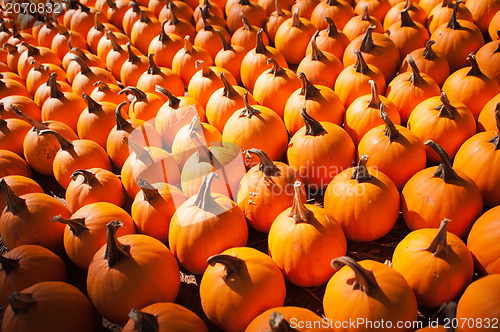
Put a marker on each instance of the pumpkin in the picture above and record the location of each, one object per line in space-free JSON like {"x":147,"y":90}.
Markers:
{"x":319,"y":238}
{"x":75,"y":154}
{"x":40,"y":73}
{"x":394,"y":150}
{"x":482,"y":12}
{"x":104,"y":45}
{"x":265,"y":191}
{"x":454,"y":195}
{"x":85,"y":79}
{"x":330,"y":40}
{"x":133,"y":67}
{"x":164,"y":47}
{"x":27,"y":220}
{"x":437,"y":264}
{"x":293,"y":36}
{"x":378,"y":50}
{"x":493,"y":27}
{"x":117,"y":55}
{"x":13,"y":164}
{"x":245,"y":36}
{"x":136,"y":130}
{"x":482,"y":241}
{"x":358,"y":24}
{"x":166,"y":317}
{"x":26,"y":104}
{"x":255,"y":61}
{"x":275,"y":19}
{"x":321,"y":68}
{"x":224,"y":102}
{"x":255,"y":14}
{"x":352,"y":80}
{"x":182,"y":9}
{"x":447,"y":124}
{"x":161,"y":76}
{"x":482,"y":169}
{"x":116,"y":10}
{"x":208,"y":38}
{"x":441,"y":14}
{"x":143,"y":105}
{"x":144,"y":31}
{"x":153,"y":208}
{"x":415,"y":11}
{"x":20,"y":185}
{"x":133,"y":259}
{"x":27,"y":265}
{"x":364,"y":201}
{"x":480,"y":302}
{"x":82,"y":20}
{"x":238,"y":285}
{"x":180,"y":26}
{"x":252,"y":126}
{"x":183,"y":63}
{"x":270,"y":5}
{"x":46,"y":32}
{"x":40,"y":54}
{"x":320,"y":101}
{"x":487,"y":118}
{"x":363,"y":113}
{"x":337,"y":10}
{"x":488,"y":58}
{"x":471,"y":86}
{"x":12,"y":133}
{"x":9,"y":87}
{"x":230,"y":57}
{"x":108,"y":93}
{"x":73,"y":68}
{"x":98,"y":31}
{"x":371,"y":291}
{"x":457,"y":39}
{"x":133,"y":14}
{"x":306,"y":7}
{"x":62,"y":41}
{"x":205,"y":225}
{"x":50,"y":305}
{"x":85,"y":231}
{"x":377,"y":8}
{"x":92,"y":186}
{"x":275,"y":80}
{"x":283,"y":318}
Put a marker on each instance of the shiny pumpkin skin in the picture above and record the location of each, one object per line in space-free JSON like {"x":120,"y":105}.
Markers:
{"x":435,"y":278}
{"x":59,"y":307}
{"x":152,"y":270}
{"x":394,"y":301}
{"x":484,"y":239}
{"x":234,"y":302}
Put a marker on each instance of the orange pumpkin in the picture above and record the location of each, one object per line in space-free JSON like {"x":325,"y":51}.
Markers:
{"x":161,"y":76}
{"x":164,"y":47}
{"x":144,"y":105}
{"x":415,"y":11}
{"x":339,"y":11}
{"x":13,"y":164}
{"x":330,"y":40}
{"x":275,"y":19}
{"x":208,"y":38}
{"x":183,"y":63}
{"x":482,"y":241}
{"x":488,"y":58}
{"x":437,"y":264}
{"x":441,"y":14}
{"x":144,"y":31}
{"x":230,"y":57}
{"x":137,"y":259}
{"x":245,"y":36}
{"x":255,"y":14}
{"x":238,"y":285}
{"x":98,"y":31}
{"x":20,"y":185}
{"x":454,"y":195}
{"x":133,"y":67}
{"x":289,"y":317}
{"x":358,"y":24}
{"x":12,"y":133}
{"x":85,"y":79}
{"x":180,"y":26}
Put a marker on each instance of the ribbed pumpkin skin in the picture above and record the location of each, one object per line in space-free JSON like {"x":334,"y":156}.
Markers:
{"x":483,"y":241}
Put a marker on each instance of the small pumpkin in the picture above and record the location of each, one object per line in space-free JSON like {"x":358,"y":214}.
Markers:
{"x":441,"y":14}
{"x":415,"y":11}
{"x":162,"y":76}
{"x":330,"y":40}
{"x":165,"y":46}
{"x":274,"y":20}
{"x":12,"y":164}
{"x":339,"y":11}
{"x":230,"y":57}
{"x":144,"y":31}
{"x":143,"y":105}
{"x":488,"y":58}
{"x":133,"y":67}
{"x":358,"y":24}
{"x":286,"y":318}
{"x":20,"y":185}
{"x":407,"y":34}
{"x":12,"y":133}
{"x":183,"y":63}
{"x":245,"y":36}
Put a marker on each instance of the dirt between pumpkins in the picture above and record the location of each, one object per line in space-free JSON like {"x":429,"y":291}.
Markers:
{"x":312,"y":298}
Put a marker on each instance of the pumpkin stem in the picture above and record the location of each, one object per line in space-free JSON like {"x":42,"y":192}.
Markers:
{"x":429,"y":53}
{"x":361,"y":173}
{"x":147,"y":188}
{"x":260,"y":47}
{"x":63,"y":142}
{"x":188,"y":46}
{"x":279,"y":11}
{"x":204,"y":199}
{"x":246,"y":24}
{"x":453,"y":22}
{"x":367,"y":44}
{"x":115,"y":251}
{"x":266,"y":165}
{"x":163,"y":37}
{"x":206,"y":70}
{"x":204,"y":153}
{"x":365,"y":16}
{"x":205,"y":14}
{"x":446,"y":109}
{"x":21,"y":302}
{"x":309,"y":91}
{"x":299,"y":212}
{"x":406,"y":20}
{"x":195,"y":124}
{"x":92,"y":106}
{"x":135,"y":7}
{"x":15,"y":32}
{"x":276,"y":69}
{"x":54,"y":91}
{"x":173,"y":16}
{"x":313,"y":126}
{"x":474,"y":69}
{"x":225,"y":45}
{"x":121,"y":123}
{"x":332,"y":30}
{"x":143,"y":321}
{"x":83,"y":8}
{"x":496,"y":140}
{"x":229,"y":90}
{"x":232,"y":265}
{"x":316,"y":54}
{"x":248,"y":110}
{"x":84,"y":68}
{"x":77,"y":51}
{"x":415,"y":77}
{"x":277,"y":321}
{"x":364,"y":279}
{"x":447,"y":3}
{"x":97,"y":22}
{"x":3,"y":123}
{"x":14,"y":203}
{"x":114,"y":42}
{"x":101,"y":86}
{"x":173,"y":101}
{"x":132,"y":57}
{"x":360,"y":65}
{"x":439,"y":245}
{"x":295,"y":18}
{"x":374,"y":101}
{"x":139,"y":95}
{"x":445,"y":171}
{"x":11,"y":49}
{"x":36,"y":124}
{"x":89,"y":178}
{"x":8,"y":264}
{"x":32,"y":51}
{"x":76,"y":225}
{"x":141,"y":153}
{"x":111,"y":3}
{"x":144,"y":18}
{"x":390,"y":129}
{"x":153,"y":69}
